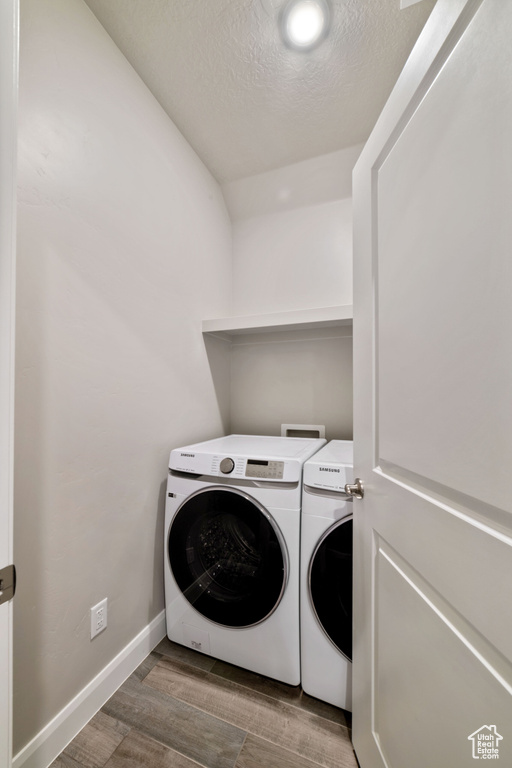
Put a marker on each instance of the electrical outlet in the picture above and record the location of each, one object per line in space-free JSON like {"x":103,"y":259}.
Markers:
{"x":98,"y":618}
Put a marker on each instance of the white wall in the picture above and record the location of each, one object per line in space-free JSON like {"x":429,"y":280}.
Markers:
{"x":124,"y":246}
{"x":292,"y":235}
{"x":292,"y":378}
{"x":296,"y":259}
{"x":292,"y":249}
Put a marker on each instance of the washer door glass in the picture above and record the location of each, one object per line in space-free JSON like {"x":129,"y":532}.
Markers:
{"x":330,"y":584}
{"x":227,"y":557}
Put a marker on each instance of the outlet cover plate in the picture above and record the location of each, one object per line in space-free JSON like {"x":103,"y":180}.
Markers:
{"x":98,"y":618}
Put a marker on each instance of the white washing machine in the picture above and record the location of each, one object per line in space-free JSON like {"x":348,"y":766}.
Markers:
{"x":232,"y":549}
{"x":326,"y":575}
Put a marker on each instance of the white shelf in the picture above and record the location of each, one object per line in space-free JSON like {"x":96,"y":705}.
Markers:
{"x":297,"y":320}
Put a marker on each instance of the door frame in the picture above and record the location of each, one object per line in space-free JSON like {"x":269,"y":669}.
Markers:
{"x":9,"y":30}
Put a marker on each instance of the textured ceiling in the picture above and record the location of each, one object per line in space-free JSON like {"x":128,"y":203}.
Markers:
{"x":243,"y":100}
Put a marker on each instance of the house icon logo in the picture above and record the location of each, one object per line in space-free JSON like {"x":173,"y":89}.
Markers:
{"x":486,"y":743}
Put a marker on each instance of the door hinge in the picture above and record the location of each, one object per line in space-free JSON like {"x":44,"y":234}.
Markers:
{"x":7,"y":583}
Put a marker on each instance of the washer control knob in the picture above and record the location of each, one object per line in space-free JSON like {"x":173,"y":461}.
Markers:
{"x":227,"y":466}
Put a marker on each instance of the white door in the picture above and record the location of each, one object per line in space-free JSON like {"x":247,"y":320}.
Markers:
{"x":8,"y":101}
{"x":433,"y":403}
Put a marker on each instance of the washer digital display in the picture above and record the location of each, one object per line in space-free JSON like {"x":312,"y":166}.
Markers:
{"x":270,"y":470}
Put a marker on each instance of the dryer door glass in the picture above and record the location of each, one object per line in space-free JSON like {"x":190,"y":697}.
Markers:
{"x":330,"y":584}
{"x":227,"y":557}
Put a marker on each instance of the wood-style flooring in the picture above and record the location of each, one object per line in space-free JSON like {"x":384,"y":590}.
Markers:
{"x":181,"y":709}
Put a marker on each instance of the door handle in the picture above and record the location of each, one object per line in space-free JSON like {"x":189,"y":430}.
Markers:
{"x":356,"y":490}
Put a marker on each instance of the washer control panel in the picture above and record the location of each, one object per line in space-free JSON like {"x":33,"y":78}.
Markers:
{"x":226,"y":466}
{"x":259,"y":459}
{"x":269,"y":470}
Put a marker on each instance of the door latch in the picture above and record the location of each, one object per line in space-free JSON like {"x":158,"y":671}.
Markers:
{"x":7,"y":583}
{"x":356,"y":490}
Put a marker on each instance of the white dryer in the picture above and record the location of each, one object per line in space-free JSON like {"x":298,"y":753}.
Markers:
{"x":326,"y":575}
{"x":232,"y":549}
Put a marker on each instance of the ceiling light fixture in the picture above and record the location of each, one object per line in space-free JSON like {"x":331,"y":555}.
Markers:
{"x":305,"y":23}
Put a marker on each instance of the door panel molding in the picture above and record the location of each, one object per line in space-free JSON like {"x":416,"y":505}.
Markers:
{"x":446,"y":643}
{"x":490,"y":520}
{"x":460,"y":25}
{"x":486,"y":653}
{"x":464,"y":19}
{"x":428,"y":245}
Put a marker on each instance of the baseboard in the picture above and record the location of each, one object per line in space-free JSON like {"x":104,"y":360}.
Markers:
{"x":54,"y":737}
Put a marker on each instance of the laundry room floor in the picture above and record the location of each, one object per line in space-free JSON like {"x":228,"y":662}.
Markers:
{"x":181,"y":709}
